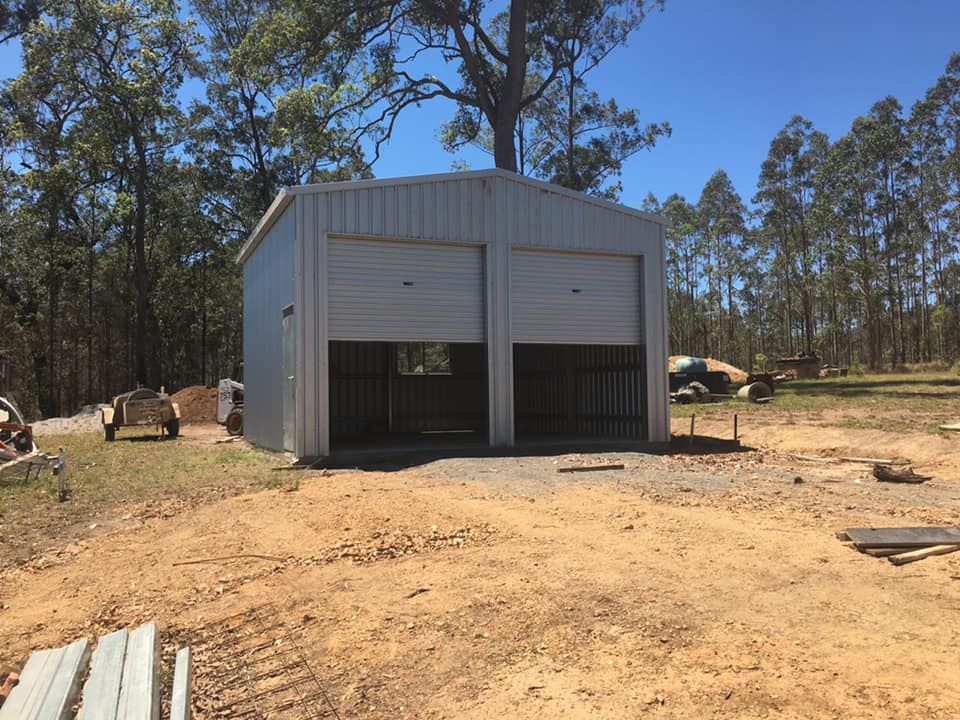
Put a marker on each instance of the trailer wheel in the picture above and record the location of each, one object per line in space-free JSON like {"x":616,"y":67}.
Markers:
{"x":109,"y":432}
{"x":234,"y":422}
{"x":173,"y":428}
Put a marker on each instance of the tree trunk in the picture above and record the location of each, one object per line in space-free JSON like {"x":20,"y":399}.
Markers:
{"x":140,"y":277}
{"x":508,"y":109}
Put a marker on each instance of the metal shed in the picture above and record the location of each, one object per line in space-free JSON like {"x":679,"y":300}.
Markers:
{"x":473,"y":307}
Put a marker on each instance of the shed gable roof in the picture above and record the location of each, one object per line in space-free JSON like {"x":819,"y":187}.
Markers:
{"x":287,"y":194}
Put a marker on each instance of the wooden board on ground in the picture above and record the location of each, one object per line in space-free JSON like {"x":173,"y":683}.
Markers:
{"x":914,"y":555}
{"x":874,"y":461}
{"x":882,"y":552}
{"x":48,"y":684}
{"x":180,"y":699}
{"x":590,"y":468}
{"x":905,"y":537}
{"x":101,"y":693}
{"x":140,"y":688}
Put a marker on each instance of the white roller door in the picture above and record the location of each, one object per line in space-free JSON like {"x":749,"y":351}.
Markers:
{"x":576,"y":298}
{"x":396,"y":291}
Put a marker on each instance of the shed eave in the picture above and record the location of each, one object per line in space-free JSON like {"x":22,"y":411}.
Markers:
{"x":279,"y":204}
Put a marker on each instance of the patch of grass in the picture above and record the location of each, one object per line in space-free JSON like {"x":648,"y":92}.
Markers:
{"x":107,"y":478}
{"x":895,"y":402}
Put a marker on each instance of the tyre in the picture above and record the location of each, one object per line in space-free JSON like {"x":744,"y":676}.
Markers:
{"x":109,"y":432}
{"x":234,"y":422}
{"x":173,"y":428}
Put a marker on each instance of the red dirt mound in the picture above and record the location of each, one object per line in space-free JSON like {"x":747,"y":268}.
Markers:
{"x":198,"y":404}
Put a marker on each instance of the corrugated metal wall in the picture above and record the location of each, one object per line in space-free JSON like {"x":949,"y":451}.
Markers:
{"x":400,"y":292}
{"x":564,"y":297}
{"x":592,"y":390}
{"x":268,"y":287}
{"x":492,"y":209}
{"x":369,"y":396}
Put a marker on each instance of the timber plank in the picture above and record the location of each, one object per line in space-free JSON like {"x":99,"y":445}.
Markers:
{"x":33,"y":683}
{"x":61,"y":693}
{"x":140,"y":686}
{"x":883,"y":552}
{"x":906,"y":537}
{"x":590,"y":468}
{"x":182,"y":679}
{"x":914,"y":555}
{"x":101,"y":693}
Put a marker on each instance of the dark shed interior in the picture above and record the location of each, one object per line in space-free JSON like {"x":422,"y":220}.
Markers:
{"x":579,"y":391}
{"x":415,"y":393}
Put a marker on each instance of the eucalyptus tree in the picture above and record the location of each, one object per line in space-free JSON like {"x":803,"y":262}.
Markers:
{"x":131,"y":60}
{"x":722,"y":219}
{"x":45,"y":110}
{"x":785,"y":195}
{"x":390,"y":41}
{"x":685,"y":254}
{"x":16,"y":16}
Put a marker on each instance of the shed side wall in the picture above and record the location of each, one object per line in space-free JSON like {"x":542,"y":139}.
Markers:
{"x":268,"y":287}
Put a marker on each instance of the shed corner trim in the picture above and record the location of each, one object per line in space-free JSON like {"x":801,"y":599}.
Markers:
{"x":279,"y":204}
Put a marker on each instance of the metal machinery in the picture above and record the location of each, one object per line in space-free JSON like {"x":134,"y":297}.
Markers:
{"x":230,"y":406}
{"x":141,"y":407}
{"x":16,"y":437}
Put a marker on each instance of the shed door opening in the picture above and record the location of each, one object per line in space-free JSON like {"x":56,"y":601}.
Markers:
{"x":573,"y":391}
{"x":411,"y":394}
{"x":578,"y":354}
{"x":408,"y":359}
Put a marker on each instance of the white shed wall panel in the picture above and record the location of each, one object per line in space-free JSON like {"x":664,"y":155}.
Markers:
{"x":268,"y":287}
{"x":397,"y":291}
{"x":576,"y":298}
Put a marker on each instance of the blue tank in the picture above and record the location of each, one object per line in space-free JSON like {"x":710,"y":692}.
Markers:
{"x":691,"y":365}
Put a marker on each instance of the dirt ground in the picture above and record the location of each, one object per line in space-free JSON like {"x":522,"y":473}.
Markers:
{"x":681,"y":587}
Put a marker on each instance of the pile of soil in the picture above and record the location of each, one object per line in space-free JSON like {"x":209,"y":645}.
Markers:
{"x":198,"y":404}
{"x":736,"y":374}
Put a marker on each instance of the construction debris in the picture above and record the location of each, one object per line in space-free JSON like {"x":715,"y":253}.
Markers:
{"x":124,"y":673}
{"x":914,"y":555}
{"x":842,"y":458}
{"x":885,"y":473}
{"x":874,"y":461}
{"x":903,"y":545}
{"x":694,"y":392}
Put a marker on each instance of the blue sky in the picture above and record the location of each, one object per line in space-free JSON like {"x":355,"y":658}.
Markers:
{"x":728,"y":76}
